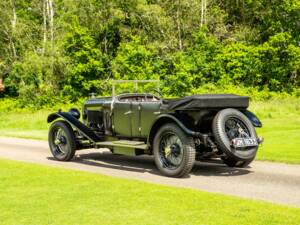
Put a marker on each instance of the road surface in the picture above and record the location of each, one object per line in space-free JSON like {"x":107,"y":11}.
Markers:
{"x":273,"y":182}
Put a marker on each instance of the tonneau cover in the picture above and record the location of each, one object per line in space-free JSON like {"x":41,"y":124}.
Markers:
{"x":203,"y":101}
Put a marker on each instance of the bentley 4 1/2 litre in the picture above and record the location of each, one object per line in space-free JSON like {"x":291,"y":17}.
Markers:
{"x":175,"y":131}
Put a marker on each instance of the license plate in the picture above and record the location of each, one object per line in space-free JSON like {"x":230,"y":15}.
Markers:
{"x":244,"y":142}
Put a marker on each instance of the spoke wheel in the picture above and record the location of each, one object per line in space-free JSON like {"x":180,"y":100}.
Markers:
{"x":62,"y":141}
{"x":236,"y":128}
{"x":174,"y":151}
{"x":227,"y":125}
{"x":171,"y":151}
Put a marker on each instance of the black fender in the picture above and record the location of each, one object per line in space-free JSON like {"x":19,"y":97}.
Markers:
{"x":253,"y":118}
{"x":183,"y":123}
{"x":83,"y":129}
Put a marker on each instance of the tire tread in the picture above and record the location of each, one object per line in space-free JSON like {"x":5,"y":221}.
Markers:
{"x":71,"y":138}
{"x":189,"y":146}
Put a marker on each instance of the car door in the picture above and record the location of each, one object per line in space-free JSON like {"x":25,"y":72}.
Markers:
{"x":136,"y":119}
{"x":122,"y":118}
{"x":149,"y":112}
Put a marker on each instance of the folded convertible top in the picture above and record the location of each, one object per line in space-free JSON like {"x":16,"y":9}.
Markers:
{"x":195,"y":102}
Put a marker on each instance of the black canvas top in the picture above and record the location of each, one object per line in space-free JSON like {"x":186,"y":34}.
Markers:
{"x":195,"y":102}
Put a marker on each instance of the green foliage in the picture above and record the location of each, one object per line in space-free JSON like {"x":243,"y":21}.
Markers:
{"x":86,"y":69}
{"x":135,"y":62}
{"x":240,"y":64}
{"x":188,"y":47}
{"x":31,"y":80}
{"x":281,"y":62}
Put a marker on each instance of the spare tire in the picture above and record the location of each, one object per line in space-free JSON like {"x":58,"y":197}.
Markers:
{"x":227,"y":125}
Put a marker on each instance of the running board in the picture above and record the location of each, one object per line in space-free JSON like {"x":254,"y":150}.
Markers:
{"x":124,"y":147}
{"x":123,"y":144}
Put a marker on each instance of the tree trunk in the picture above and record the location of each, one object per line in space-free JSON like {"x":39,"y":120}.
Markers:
{"x":205,"y":7}
{"x":51,"y":22}
{"x":203,"y":12}
{"x":45,"y":9}
{"x":14,"y":15}
{"x":179,"y":25}
{"x":13,"y":28}
{"x":51,"y":27}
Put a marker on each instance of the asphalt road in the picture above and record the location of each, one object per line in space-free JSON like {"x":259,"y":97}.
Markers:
{"x":273,"y":182}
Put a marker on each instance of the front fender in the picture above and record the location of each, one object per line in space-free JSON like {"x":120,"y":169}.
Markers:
{"x":86,"y":131}
{"x":53,"y":116}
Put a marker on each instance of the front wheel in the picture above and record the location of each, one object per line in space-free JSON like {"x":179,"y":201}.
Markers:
{"x":174,"y":151}
{"x":62,"y":141}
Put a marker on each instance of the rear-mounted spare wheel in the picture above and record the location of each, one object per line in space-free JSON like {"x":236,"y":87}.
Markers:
{"x":229,"y":127}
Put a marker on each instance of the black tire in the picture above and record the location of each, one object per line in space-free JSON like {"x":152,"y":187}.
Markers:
{"x":61,"y":140}
{"x":235,"y":163}
{"x":223,"y":141}
{"x":180,"y":158}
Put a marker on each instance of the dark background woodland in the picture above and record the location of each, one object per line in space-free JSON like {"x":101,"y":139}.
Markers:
{"x":64,"y":49}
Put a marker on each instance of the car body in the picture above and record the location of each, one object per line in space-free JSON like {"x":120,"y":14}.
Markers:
{"x":176,"y":131}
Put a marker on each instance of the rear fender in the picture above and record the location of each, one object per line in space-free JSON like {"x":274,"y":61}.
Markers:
{"x":170,"y":118}
{"x":253,"y":118}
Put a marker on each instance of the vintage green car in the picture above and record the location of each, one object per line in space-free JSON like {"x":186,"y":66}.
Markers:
{"x":176,"y":131}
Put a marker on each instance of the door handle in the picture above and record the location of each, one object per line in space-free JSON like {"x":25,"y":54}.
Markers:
{"x":128,"y":112}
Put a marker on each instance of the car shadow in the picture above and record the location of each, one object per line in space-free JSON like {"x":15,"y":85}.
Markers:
{"x":139,"y":164}
{"x":145,"y":164}
{"x":218,"y":168}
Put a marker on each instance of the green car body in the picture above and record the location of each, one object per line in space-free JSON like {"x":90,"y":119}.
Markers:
{"x":135,"y":123}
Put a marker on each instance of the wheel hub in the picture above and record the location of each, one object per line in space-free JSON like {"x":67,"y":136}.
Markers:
{"x":171,"y":151}
{"x":167,"y":151}
{"x":175,"y":149}
{"x":235,"y":129}
{"x":60,"y":140}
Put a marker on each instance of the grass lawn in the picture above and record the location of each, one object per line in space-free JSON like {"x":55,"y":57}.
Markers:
{"x":34,"y":194}
{"x":24,"y":124}
{"x":282,"y":140}
{"x":281,"y":130}
{"x":281,"y":127}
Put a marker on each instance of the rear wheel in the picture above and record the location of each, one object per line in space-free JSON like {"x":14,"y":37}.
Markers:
{"x":62,"y":141}
{"x":227,"y":125}
{"x":174,"y":151}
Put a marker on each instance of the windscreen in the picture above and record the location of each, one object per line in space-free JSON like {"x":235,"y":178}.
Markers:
{"x":135,"y":86}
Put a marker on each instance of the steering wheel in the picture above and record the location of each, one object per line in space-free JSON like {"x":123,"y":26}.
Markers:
{"x":157,"y":91}
{"x":154,"y":97}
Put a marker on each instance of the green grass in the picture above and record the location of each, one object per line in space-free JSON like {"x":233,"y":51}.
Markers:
{"x":282,"y":140}
{"x":25,"y":124}
{"x":34,"y":194}
{"x":281,"y":130}
{"x":281,"y":127}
